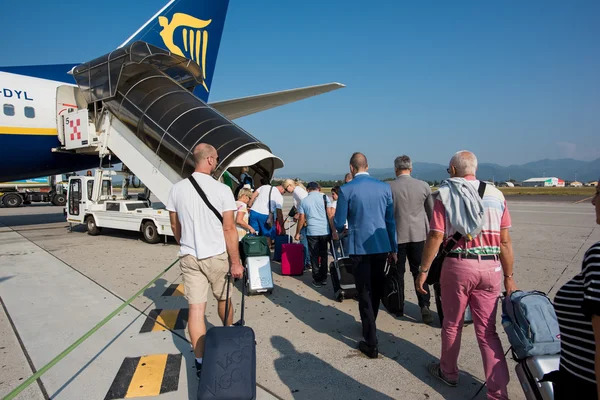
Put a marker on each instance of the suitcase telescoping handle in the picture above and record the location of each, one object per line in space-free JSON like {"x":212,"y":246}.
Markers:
{"x":241,"y":322}
{"x":335,"y":259}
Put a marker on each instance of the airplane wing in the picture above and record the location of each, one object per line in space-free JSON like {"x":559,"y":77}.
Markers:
{"x":243,"y":106}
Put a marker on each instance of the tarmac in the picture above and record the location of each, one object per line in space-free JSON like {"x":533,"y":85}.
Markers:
{"x":55,"y":285}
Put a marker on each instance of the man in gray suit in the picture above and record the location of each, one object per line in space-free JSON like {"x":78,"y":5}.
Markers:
{"x":413,"y":207}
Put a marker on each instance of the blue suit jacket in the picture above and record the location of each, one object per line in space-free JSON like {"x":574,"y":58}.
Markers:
{"x":368,"y":206}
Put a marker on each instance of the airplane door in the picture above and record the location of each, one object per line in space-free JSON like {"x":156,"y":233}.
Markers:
{"x":74,"y":200}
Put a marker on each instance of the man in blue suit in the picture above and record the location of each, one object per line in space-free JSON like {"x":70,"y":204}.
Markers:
{"x":368,"y":206}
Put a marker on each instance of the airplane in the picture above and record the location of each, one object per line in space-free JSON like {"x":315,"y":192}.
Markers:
{"x":29,"y":114}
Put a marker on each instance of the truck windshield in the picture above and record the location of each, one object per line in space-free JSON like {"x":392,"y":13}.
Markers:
{"x":106,"y":185}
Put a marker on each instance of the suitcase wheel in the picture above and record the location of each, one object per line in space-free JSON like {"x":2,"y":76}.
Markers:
{"x":340,"y":297}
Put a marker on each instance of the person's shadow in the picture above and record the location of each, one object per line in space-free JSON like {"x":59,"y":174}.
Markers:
{"x":332,"y":321}
{"x":300,"y":371}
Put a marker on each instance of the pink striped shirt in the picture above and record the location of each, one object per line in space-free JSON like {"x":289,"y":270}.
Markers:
{"x":496,"y":217}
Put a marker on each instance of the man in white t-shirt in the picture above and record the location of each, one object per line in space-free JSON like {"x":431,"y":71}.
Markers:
{"x":266,"y":199}
{"x":205,"y":243}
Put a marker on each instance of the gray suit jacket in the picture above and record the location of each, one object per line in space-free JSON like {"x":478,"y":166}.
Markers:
{"x":413,"y":207}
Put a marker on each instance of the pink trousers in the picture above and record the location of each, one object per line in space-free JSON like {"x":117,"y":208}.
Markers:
{"x":477,"y":283}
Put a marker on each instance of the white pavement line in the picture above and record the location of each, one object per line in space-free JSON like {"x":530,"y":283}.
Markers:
{"x":15,"y":359}
{"x":572,"y":259}
{"x":586,"y":199}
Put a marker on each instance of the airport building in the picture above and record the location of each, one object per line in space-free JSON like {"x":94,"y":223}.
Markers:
{"x":544,"y":182}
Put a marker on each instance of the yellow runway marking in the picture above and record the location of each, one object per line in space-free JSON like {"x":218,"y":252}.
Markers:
{"x":148,"y":376}
{"x":166,"y":318}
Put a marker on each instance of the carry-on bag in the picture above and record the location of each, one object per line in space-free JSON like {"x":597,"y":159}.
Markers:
{"x":531,"y":371}
{"x":259,"y":275}
{"x":255,"y":246}
{"x":279,"y":241}
{"x":530,"y":323}
{"x":229,"y":361}
{"x":342,"y":277}
{"x":393,"y":290}
{"x":292,"y":258}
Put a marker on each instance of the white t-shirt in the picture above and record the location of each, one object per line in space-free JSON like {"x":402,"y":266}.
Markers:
{"x":334,"y":205}
{"x":201,"y":231}
{"x":243,"y":208}
{"x":298,"y":194}
{"x":261,"y":203}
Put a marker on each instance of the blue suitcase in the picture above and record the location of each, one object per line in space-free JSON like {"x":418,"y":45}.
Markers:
{"x":229,"y":362}
{"x":279,"y":240}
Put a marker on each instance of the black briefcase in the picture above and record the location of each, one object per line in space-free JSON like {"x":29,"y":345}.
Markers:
{"x":229,"y":362}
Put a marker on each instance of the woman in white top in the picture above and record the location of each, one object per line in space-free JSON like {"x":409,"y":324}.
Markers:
{"x":343,"y":242}
{"x":241,"y":216}
{"x":298,"y":192}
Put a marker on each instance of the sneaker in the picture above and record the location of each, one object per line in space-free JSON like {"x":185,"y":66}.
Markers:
{"x":371,"y":352}
{"x":198,"y":368}
{"x":435,"y":370}
{"x":426,"y":315}
{"x":316,"y":284}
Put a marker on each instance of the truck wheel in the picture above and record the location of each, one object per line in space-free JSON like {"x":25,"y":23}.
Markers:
{"x":59,"y":199}
{"x":92,"y":228}
{"x":12,"y":200}
{"x":150,"y":232}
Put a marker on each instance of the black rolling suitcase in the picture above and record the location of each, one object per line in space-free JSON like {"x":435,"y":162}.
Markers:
{"x":342,"y":277}
{"x":229,"y":361}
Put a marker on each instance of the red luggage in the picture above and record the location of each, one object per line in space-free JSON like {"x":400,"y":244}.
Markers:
{"x":292,"y":259}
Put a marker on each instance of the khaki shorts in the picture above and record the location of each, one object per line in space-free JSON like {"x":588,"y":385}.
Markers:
{"x":199,"y":274}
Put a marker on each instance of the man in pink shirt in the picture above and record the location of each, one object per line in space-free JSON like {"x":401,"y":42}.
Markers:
{"x":472,"y":272}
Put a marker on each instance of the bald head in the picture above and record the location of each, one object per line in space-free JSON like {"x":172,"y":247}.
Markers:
{"x":463,"y":163}
{"x":358,"y":163}
{"x":205,"y":158}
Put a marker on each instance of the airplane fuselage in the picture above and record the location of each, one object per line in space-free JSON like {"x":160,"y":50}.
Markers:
{"x":28,"y":130}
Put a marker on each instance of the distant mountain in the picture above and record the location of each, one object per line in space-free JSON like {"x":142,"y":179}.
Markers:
{"x":566,"y":168}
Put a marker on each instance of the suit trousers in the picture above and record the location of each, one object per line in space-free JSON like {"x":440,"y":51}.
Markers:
{"x":413,"y":251}
{"x":369,"y":274}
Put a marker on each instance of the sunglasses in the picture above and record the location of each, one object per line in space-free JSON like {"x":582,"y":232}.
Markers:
{"x":449,"y":170}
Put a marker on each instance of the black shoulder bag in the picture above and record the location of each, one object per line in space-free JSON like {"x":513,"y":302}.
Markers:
{"x":435,"y":271}
{"x":203,"y":195}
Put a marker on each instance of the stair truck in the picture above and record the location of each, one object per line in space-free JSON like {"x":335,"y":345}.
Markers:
{"x":47,"y":189}
{"x":137,"y":104}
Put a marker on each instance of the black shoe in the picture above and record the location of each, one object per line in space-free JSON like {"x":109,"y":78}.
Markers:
{"x":371,"y":352}
{"x":198,"y":368}
{"x":317,"y":284}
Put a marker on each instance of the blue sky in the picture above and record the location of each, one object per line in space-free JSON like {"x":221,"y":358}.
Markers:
{"x":514,"y":81}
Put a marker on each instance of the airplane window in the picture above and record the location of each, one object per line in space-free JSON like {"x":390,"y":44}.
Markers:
{"x":9,"y":110}
{"x":30,"y":112}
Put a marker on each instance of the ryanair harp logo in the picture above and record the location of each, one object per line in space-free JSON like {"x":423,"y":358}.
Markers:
{"x":194,"y":35}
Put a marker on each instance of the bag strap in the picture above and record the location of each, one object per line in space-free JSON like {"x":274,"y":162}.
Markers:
{"x":269,"y":204}
{"x":203,"y":195}
{"x":453,"y":241}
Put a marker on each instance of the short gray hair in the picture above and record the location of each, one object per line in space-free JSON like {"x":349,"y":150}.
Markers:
{"x":465,"y":163}
{"x":402,"y":162}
